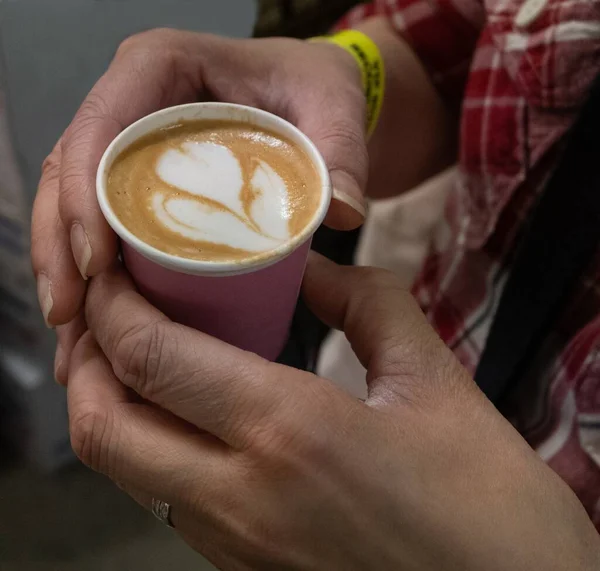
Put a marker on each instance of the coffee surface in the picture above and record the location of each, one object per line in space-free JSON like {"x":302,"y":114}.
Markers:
{"x":214,"y":190}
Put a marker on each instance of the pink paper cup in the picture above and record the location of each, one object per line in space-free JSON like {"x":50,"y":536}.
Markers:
{"x":249,"y":303}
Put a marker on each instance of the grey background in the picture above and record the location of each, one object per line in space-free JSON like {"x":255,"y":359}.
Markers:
{"x":55,"y":50}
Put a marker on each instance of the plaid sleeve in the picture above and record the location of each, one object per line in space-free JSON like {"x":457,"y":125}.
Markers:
{"x":443,"y":34}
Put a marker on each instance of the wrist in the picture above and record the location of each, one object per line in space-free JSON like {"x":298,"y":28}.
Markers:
{"x":416,"y":135}
{"x":367,"y":57}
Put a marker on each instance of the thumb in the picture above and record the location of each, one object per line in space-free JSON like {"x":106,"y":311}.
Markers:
{"x":333,"y":117}
{"x":387,"y":330}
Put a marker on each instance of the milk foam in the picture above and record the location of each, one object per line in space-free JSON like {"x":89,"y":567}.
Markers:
{"x":214,"y":190}
{"x":212,"y":173}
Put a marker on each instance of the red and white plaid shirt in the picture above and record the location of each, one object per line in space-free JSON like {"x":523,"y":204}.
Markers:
{"x":520,"y":71}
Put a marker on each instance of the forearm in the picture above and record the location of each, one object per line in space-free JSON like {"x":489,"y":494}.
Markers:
{"x":416,"y":136}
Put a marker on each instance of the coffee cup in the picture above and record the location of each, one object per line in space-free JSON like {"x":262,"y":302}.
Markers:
{"x":245,"y":298}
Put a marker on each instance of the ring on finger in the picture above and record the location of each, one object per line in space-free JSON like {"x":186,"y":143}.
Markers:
{"x":162,"y":512}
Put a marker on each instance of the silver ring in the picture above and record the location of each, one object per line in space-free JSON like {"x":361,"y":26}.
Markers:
{"x":162,"y":511}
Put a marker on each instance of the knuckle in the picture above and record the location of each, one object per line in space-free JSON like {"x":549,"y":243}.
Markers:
{"x":344,"y":147}
{"x":242,"y":417}
{"x":43,"y":247}
{"x":159,"y":38}
{"x":345,"y":134}
{"x":282,"y":440}
{"x":51,"y":164}
{"x":257,"y":436}
{"x":268,"y":441}
{"x":78,"y":139}
{"x":380,"y":287}
{"x":95,"y":108}
{"x":140,"y":358}
{"x":74,"y":185}
{"x":131,"y":42}
{"x":92,"y":436}
{"x":141,"y":38}
{"x":268,"y":430}
{"x":269,"y":447}
{"x":418,"y":368}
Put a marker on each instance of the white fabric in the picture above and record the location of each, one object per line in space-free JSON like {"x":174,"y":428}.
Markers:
{"x":396,"y":237}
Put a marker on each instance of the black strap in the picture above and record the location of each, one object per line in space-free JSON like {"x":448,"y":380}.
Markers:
{"x":560,"y":241}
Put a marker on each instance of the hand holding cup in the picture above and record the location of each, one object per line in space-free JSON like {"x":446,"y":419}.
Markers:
{"x":216,"y":205}
{"x":316,"y":87}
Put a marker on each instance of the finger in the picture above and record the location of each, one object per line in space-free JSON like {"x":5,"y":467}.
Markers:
{"x":136,"y":444}
{"x":145,"y":76}
{"x":60,"y":287}
{"x":68,"y":336}
{"x":184,"y":521}
{"x":334,"y":119}
{"x":144,"y":499}
{"x":215,"y":386}
{"x":386,"y":328}
{"x":215,"y":539}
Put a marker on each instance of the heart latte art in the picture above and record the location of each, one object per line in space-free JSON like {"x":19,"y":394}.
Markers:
{"x":214,"y":190}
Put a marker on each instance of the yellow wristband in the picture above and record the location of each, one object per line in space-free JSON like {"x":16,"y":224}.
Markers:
{"x":366,"y":53}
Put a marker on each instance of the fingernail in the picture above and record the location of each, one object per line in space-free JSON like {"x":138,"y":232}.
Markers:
{"x":59,"y":364}
{"x":350,"y":201}
{"x":82,"y":251}
{"x":45,"y":297}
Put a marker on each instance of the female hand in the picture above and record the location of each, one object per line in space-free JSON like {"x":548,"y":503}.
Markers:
{"x":268,"y":467}
{"x":315,"y":86}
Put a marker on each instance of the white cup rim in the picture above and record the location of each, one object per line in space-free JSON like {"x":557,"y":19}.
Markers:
{"x":210,"y":111}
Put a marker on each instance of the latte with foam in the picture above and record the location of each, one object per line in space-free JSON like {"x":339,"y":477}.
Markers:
{"x":214,"y":190}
